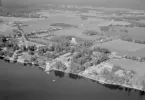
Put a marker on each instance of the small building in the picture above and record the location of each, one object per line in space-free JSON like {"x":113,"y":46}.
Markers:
{"x":48,"y":65}
{"x":73,"y":41}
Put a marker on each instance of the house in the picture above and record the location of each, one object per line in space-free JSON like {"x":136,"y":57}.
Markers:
{"x":48,"y":65}
{"x":73,"y":41}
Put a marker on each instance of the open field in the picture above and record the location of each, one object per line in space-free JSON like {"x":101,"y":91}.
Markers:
{"x":135,"y":33}
{"x":76,"y":21}
{"x":78,"y":32}
{"x":124,"y":47}
{"x":114,"y":23}
{"x":19,"y":19}
{"x":45,"y":24}
{"x":130,"y":65}
{"x":6,"y":30}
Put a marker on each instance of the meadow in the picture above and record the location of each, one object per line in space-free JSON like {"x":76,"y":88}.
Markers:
{"x":125,"y":47}
{"x":130,"y":65}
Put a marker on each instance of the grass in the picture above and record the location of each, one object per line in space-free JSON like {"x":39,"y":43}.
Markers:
{"x":63,"y":25}
{"x":130,"y":65}
{"x":78,"y":32}
{"x":6,"y":30}
{"x":41,"y":41}
{"x":122,"y":45}
{"x":125,"y":47}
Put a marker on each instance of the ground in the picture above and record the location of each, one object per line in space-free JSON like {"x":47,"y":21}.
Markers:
{"x":93,"y":22}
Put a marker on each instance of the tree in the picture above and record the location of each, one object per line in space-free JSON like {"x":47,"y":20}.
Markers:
{"x":32,"y":48}
{"x":74,"y":68}
{"x":143,"y":84}
{"x":59,"y":65}
{"x":31,"y":52}
{"x":23,"y":48}
{"x":103,"y":50}
{"x":3,"y":39}
{"x":33,"y":58}
{"x":94,"y":72}
{"x":116,"y":68}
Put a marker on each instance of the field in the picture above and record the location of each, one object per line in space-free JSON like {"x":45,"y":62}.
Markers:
{"x":125,"y":48}
{"x":113,"y":23}
{"x":5,"y":29}
{"x":45,"y":24}
{"x":130,"y":65}
{"x":91,"y":23}
{"x":137,"y":33}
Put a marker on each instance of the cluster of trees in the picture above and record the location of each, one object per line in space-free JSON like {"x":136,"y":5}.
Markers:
{"x":81,"y":60}
{"x":111,"y":76}
{"x":135,"y":58}
{"x":127,"y":38}
{"x":85,"y":43}
{"x":63,"y":25}
{"x":84,"y":17}
{"x":143,"y":85}
{"x":9,"y":44}
{"x":85,"y":58}
{"x":91,"y":33}
{"x":103,"y":50}
{"x":60,"y":66}
{"x":99,"y":58}
{"x":138,"y":24}
{"x":140,"y":41}
{"x":19,"y":14}
{"x":116,"y":68}
{"x":85,"y":52}
{"x":105,"y":28}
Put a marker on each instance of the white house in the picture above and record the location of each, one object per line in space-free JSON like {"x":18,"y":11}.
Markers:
{"x":74,"y":41}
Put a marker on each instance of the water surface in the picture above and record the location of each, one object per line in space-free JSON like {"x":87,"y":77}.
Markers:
{"x":27,"y":83}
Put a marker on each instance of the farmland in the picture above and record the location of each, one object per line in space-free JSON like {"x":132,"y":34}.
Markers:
{"x":130,"y":65}
{"x":125,"y":48}
{"x":91,"y":39}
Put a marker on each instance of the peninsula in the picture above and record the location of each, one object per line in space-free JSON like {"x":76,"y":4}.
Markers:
{"x":99,"y":44}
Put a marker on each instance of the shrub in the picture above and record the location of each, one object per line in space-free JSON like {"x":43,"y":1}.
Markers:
{"x":127,"y":38}
{"x":103,"y":50}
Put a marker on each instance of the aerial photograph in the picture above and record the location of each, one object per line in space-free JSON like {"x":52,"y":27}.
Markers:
{"x":72,"y":49}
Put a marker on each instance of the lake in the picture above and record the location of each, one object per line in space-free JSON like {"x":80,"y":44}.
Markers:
{"x":19,"y":82}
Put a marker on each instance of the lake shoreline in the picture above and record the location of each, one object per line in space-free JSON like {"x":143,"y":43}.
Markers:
{"x":87,"y":76}
{"x":101,"y":81}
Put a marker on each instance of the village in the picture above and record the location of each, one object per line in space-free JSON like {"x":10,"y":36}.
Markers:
{"x":80,"y":46}
{"x":69,"y":54}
